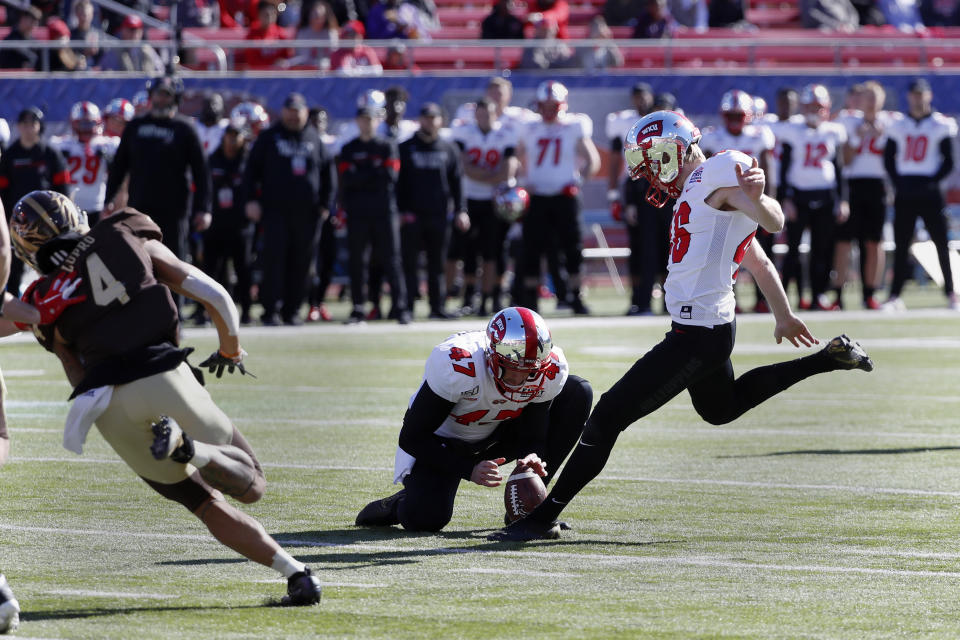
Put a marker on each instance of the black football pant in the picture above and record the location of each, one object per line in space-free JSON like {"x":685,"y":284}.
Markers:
{"x":907,"y":208}
{"x":649,"y":243}
{"x":234,"y":245}
{"x":429,"y":235}
{"x":288,"y":245}
{"x":551,"y":229}
{"x":381,"y":233}
{"x":693,"y":358}
{"x":430,"y":492}
{"x":814,"y":210}
{"x":324,"y":262}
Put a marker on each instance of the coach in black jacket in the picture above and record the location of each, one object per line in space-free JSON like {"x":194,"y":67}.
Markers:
{"x":158,"y":150}
{"x":290,"y":183}
{"x":429,"y":180}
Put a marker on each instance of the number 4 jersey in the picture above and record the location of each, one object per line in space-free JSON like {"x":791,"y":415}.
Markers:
{"x":707,"y":246}
{"x":126,"y":309}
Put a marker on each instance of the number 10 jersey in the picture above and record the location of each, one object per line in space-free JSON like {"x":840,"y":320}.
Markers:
{"x":707,"y":246}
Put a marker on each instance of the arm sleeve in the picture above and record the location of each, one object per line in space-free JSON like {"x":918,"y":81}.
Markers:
{"x":425,"y":415}
{"x":199,"y":169}
{"x":118,"y":168}
{"x":946,"y":166}
{"x":890,"y":159}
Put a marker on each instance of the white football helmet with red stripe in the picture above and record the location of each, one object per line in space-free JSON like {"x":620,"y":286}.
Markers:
{"x":85,"y":120}
{"x":551,"y":100}
{"x":654,"y":149}
{"x":815,"y":104}
{"x":737,"y":109}
{"x":120,"y":108}
{"x":518,"y":340}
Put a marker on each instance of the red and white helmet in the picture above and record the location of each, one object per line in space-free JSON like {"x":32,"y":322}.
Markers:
{"x":654,"y":149}
{"x":737,"y":109}
{"x":518,"y":340}
{"x":815,"y":104}
{"x":120,"y":108}
{"x":510,"y":202}
{"x":252,"y":114}
{"x":85,"y":120}
{"x":551,"y":100}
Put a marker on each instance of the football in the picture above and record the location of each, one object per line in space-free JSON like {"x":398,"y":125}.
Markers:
{"x":523,"y":492}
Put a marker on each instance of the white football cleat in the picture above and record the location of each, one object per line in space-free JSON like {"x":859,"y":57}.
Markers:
{"x":9,"y":608}
{"x":893,"y":305}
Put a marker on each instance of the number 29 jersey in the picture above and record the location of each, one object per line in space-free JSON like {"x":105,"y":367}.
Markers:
{"x":707,"y":246}
{"x":484,"y":150}
{"x":457,"y":370}
{"x":87,"y":163}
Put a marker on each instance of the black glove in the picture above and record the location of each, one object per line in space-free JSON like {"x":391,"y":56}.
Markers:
{"x":217,"y":361}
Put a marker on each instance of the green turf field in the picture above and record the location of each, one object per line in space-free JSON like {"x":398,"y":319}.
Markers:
{"x":829,"y":512}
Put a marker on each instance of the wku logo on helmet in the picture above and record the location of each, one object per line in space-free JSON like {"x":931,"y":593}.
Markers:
{"x":655,"y":128}
{"x":499,"y":326}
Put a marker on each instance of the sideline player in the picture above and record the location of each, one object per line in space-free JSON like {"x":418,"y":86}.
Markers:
{"x":486,"y":398}
{"x":88,"y":154}
{"x":557,"y":153}
{"x":118,"y":347}
{"x":721,"y":202}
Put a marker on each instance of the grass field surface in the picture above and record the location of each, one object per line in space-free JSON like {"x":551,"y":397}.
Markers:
{"x":828,"y":512}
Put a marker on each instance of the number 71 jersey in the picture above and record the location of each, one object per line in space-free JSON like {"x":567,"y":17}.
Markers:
{"x":707,"y":246}
{"x":457,"y":371}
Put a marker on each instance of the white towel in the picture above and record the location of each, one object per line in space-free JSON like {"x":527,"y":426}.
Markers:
{"x":402,"y":465}
{"x":86,"y":408}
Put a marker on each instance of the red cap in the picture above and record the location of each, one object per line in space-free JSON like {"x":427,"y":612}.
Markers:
{"x":132,"y":22}
{"x":355,"y":26}
{"x":57,"y":28}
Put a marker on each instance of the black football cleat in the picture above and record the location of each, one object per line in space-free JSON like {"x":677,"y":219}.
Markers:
{"x":9,"y":608}
{"x":381,"y":513}
{"x":303,"y":590}
{"x":848,"y":353}
{"x":524,"y":530}
{"x":167,"y":436}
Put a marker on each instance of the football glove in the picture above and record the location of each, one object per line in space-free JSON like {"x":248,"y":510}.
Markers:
{"x":57,"y":298}
{"x":218,"y":361}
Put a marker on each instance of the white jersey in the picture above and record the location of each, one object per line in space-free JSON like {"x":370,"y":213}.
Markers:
{"x":210,"y":136}
{"x":552,"y":162}
{"x":706,"y":246}
{"x":918,"y":143}
{"x":617,"y":127}
{"x":868,"y":161}
{"x":457,"y":371}
{"x":775,"y":125}
{"x":754,"y":140}
{"x":812,"y":153}
{"x":87,"y":163}
{"x":486,"y":151}
{"x":349,"y":130}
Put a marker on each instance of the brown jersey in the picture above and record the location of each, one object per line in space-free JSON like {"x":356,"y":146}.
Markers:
{"x":127,"y":318}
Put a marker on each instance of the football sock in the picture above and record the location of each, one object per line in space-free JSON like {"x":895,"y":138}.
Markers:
{"x":286,"y":564}
{"x":868,"y":292}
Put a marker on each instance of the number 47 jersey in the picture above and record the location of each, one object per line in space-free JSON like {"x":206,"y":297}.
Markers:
{"x":457,"y":371}
{"x":707,"y":246}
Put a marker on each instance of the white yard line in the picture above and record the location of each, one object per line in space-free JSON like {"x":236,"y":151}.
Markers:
{"x":515,"y":572}
{"x":107,"y":594}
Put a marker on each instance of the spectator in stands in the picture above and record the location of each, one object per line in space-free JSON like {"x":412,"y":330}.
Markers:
{"x":115,"y":18}
{"x":918,"y":156}
{"x":391,"y":19}
{"x":501,"y":24}
{"x":318,"y":23}
{"x":902,"y":14}
{"x":22,"y":57}
{"x":86,"y":31}
{"x":655,"y":21}
{"x":429,"y":190}
{"x":829,"y":15}
{"x":267,"y":30}
{"x":556,"y":11}
{"x":203,"y":14}
{"x":601,"y":56}
{"x":398,"y":60}
{"x":940,"y":13}
{"x":554,"y":55}
{"x":64,"y":58}
{"x":356,"y":58}
{"x":27,"y":165}
{"x":689,"y":13}
{"x":728,"y":14}
{"x":290,"y":185}
{"x":237,"y":13}
{"x":142,"y":58}
{"x":619,"y":13}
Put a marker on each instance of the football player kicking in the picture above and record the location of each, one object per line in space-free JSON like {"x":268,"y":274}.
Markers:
{"x":486,"y":397}
{"x":720,"y":202}
{"x":118,"y":345}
